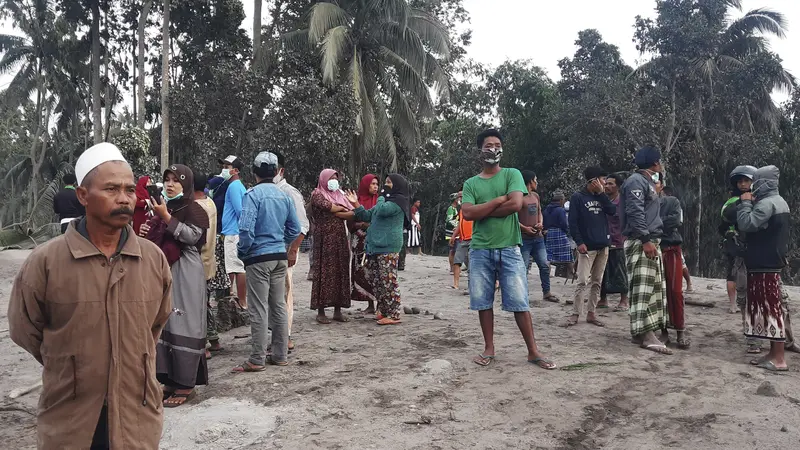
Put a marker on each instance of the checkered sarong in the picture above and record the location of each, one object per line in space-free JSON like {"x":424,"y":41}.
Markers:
{"x":648,"y":301}
{"x":557,"y":245}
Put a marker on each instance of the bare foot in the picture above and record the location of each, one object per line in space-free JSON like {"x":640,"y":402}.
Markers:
{"x":590,"y":318}
{"x":339,"y":317}
{"x":323,"y":319}
{"x":571,"y":321}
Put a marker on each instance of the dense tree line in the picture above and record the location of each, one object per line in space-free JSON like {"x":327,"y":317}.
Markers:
{"x":387,"y":85}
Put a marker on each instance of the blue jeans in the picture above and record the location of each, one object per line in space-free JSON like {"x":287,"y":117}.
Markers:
{"x":537,"y":248}
{"x":504,"y":265}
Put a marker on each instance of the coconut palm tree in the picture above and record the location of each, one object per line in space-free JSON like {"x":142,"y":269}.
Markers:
{"x":389,"y":55}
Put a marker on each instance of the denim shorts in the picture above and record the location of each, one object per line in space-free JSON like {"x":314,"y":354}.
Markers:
{"x":504,"y":265}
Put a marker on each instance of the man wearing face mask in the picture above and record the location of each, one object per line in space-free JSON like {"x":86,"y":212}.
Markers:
{"x":294,"y":247}
{"x":492,"y":199}
{"x":231,"y":212}
{"x":642,"y":226}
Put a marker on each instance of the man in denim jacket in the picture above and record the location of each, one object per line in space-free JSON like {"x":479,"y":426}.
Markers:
{"x":268,"y":224}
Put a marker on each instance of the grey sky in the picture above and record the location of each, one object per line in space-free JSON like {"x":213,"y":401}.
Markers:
{"x":544,"y":31}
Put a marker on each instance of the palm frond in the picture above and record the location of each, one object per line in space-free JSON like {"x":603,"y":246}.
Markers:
{"x":333,"y":48}
{"x":391,"y":10}
{"x":762,"y":20}
{"x":42,"y":212}
{"x":9,"y":41}
{"x":437,"y":77}
{"x":409,"y":80}
{"x":324,"y":17}
{"x":786,"y":83}
{"x":356,"y":83}
{"x":405,"y":120}
{"x":296,"y":40}
{"x":432,"y":32}
{"x":385,"y":137}
{"x":367,"y":112}
{"x":742,"y":46}
{"x":14,"y":56}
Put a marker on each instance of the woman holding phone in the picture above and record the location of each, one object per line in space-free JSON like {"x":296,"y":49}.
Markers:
{"x":179,"y":228}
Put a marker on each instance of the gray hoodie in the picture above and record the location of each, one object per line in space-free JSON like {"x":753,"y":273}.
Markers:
{"x":766,"y":222}
{"x":640,"y":208}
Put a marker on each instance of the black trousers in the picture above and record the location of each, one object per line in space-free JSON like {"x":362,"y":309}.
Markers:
{"x":100,"y":441}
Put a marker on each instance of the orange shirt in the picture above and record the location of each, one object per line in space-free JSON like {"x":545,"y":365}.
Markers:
{"x":464,"y":228}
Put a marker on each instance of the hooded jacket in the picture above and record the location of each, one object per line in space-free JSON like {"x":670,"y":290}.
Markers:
{"x":588,"y":222}
{"x":555,"y":216}
{"x":766,"y":223}
{"x":641,"y":210}
{"x":672,"y":218}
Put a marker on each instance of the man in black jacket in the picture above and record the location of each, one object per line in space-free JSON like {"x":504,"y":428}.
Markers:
{"x":66,"y":203}
{"x":588,"y":226}
{"x":671,"y":240}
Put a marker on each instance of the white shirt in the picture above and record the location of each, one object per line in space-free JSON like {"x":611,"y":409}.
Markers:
{"x":299,"y":204}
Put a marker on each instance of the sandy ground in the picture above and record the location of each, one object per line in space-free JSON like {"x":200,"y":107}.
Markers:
{"x":359,"y":386}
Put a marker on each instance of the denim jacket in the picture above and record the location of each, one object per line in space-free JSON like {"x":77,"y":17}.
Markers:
{"x":267,"y":226}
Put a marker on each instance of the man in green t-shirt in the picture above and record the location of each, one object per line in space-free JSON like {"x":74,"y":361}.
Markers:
{"x":492,"y":200}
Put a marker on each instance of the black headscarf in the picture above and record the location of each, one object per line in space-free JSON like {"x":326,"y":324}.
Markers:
{"x":185,"y":209}
{"x":399,"y":195}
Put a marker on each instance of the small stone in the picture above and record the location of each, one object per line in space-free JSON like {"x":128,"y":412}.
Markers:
{"x":415,"y":310}
{"x":427,"y":313}
{"x":572,"y":393}
{"x":785,"y":429}
{"x":369,"y":334}
{"x":438,"y":316}
{"x":767,"y":389}
{"x":333,"y":349}
{"x":408,"y":310}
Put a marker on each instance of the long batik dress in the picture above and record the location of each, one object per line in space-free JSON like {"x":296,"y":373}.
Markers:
{"x":330,"y":274}
{"x":362,"y":288}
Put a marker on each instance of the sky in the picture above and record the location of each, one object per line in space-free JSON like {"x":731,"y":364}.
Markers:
{"x":544,"y":31}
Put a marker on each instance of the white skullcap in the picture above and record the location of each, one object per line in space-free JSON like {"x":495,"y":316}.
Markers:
{"x":94,"y":156}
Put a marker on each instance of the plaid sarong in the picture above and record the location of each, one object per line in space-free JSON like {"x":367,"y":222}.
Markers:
{"x":558,"y":248}
{"x":648,"y":301}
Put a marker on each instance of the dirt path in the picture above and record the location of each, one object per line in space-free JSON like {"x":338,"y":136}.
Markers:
{"x":355,"y":385}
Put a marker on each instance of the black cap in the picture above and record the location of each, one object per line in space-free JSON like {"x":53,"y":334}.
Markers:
{"x":233,"y":160}
{"x":647,"y":157}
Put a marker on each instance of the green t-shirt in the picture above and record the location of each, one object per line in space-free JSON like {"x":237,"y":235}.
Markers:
{"x":494,"y":232}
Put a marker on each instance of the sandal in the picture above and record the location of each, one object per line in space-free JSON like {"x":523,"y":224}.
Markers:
{"x":683,"y":343}
{"x":341,"y":319}
{"x":324,"y":320}
{"x":180,"y":399}
{"x":247,"y":366}
{"x":551,"y":298}
{"x":571,"y":322}
{"x":595,"y":322}
{"x":543,"y":363}
{"x":483,"y":360}
{"x":277,"y":363}
{"x":769,"y":365}
{"x":388,"y":321}
{"x":754,"y":349}
{"x":619,"y":308}
{"x":657,"y":348}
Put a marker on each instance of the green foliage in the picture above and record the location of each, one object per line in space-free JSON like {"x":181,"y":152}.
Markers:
{"x":134,"y":143}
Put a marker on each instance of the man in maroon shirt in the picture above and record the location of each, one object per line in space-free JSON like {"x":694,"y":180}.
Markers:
{"x":615,"y":278}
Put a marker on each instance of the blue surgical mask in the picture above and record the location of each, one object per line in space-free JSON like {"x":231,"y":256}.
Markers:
{"x":333,"y":185}
{"x":168,"y":198}
{"x":225,"y":174}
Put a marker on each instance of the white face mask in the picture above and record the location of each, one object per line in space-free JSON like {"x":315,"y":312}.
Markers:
{"x":277,"y":178}
{"x":333,"y":185}
{"x":225,"y":174}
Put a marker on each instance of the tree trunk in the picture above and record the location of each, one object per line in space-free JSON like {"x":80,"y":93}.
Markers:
{"x":140,"y":61}
{"x":699,"y":213}
{"x":32,"y":184}
{"x":165,"y":45}
{"x":97,"y":117}
{"x":256,"y":29}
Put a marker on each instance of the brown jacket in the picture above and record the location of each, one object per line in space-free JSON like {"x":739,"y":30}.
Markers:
{"x":93,"y":324}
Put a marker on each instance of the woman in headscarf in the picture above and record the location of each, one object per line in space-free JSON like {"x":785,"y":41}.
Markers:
{"x":140,"y":210}
{"x":331,"y":281}
{"x":384,"y":241}
{"x":179,"y":228}
{"x":362,"y":290}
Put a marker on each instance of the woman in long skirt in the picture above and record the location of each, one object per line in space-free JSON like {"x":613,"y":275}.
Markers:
{"x":362,"y":289}
{"x":414,"y":238}
{"x":384,"y":241}
{"x":179,"y":229}
{"x":331,"y":278}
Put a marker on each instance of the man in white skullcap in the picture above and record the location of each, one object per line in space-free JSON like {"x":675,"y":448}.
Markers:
{"x":89,"y":306}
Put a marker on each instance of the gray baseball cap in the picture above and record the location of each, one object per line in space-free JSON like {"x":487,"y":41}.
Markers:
{"x":270,"y":159}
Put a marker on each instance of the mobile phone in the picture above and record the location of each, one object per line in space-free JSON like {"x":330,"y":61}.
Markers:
{"x":154,"y":192}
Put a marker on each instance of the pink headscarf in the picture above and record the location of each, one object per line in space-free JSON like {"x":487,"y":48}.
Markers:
{"x":337,"y":198}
